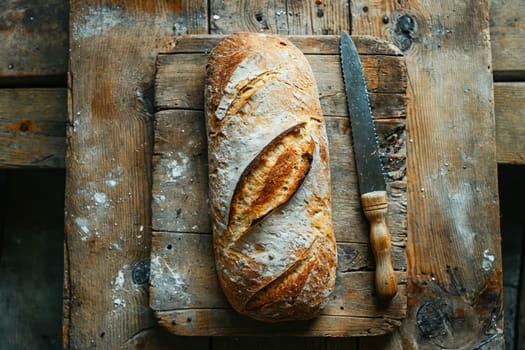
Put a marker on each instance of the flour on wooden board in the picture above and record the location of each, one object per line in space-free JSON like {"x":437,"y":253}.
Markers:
{"x":118,"y":288}
{"x":113,"y":178}
{"x":169,"y":279}
{"x":177,"y":167}
{"x":457,"y":212}
{"x":159,"y":197}
{"x":99,"y":20}
{"x":488,"y":260}
{"x":101,"y":199}
{"x":82,"y":224}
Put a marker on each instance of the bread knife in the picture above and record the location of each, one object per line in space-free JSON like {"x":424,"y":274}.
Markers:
{"x":372,"y":185}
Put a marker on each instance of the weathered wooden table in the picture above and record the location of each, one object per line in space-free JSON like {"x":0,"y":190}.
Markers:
{"x":454,"y":261}
{"x":454,"y":257}
{"x":183,"y":280}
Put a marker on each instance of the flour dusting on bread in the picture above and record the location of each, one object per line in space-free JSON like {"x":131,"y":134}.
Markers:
{"x":269,"y":179}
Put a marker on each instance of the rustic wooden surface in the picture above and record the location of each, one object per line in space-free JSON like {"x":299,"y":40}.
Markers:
{"x":183,"y":23}
{"x":507,"y":31}
{"x":181,"y":243}
{"x":45,"y":147}
{"x":289,"y":343}
{"x":454,"y":275}
{"x":510,"y":122}
{"x":512,"y":16}
{"x":287,"y":18}
{"x":39,"y":50}
{"x":34,"y":43}
{"x":113,"y":48}
{"x":32,"y":127}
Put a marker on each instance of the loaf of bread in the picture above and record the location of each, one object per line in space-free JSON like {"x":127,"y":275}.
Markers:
{"x":269,"y":179}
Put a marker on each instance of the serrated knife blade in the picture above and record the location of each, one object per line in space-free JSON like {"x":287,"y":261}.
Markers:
{"x":372,"y":185}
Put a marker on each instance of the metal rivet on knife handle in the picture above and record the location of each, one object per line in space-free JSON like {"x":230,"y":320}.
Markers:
{"x":375,"y":207}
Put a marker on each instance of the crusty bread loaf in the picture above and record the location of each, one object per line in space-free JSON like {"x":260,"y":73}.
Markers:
{"x":269,"y":179}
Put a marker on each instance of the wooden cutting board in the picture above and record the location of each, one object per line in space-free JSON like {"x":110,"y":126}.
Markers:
{"x":185,"y":294}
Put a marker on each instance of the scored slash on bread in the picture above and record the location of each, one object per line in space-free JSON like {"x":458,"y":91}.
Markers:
{"x":269,"y":180}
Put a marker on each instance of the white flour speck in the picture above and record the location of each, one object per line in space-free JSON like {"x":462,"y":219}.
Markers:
{"x":177,"y":168}
{"x":119,"y":280}
{"x":111,"y":183}
{"x":488,"y":260}
{"x":119,"y":302}
{"x":113,"y":178}
{"x":160,"y":198}
{"x":180,"y":29}
{"x":82,"y":224}
{"x":99,"y":20}
{"x":167,"y":278}
{"x":118,"y":288}
{"x":100,"y":198}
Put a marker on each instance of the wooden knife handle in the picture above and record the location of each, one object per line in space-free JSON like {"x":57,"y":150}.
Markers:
{"x":375,"y":207}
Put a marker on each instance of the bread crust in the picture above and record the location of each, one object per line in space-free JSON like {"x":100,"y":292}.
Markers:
{"x":269,"y":179}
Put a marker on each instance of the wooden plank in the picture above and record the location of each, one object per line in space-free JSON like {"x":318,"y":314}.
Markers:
{"x":308,"y":44}
{"x":454,"y":260}
{"x":45,"y":146}
{"x":32,"y":128}
{"x":219,"y":322}
{"x":34,"y":39}
{"x":113,"y":49}
{"x":180,"y":183}
{"x":509,"y":103}
{"x":183,"y":278}
{"x":289,"y":343}
{"x":36,"y":33}
{"x":31,"y":261}
{"x":507,"y":34}
{"x":282,"y":17}
{"x":181,"y":78}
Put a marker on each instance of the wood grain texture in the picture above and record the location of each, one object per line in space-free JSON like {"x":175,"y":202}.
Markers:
{"x":32,"y":128}
{"x":183,"y":277}
{"x":152,"y":339}
{"x":507,"y":34}
{"x":510,"y":122}
{"x":113,"y":49}
{"x":180,"y":187}
{"x":289,"y":343}
{"x":278,"y":16}
{"x":454,"y":259}
{"x":44,"y":147}
{"x":34,"y":39}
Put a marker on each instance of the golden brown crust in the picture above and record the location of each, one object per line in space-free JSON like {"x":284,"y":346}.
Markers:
{"x":269,"y":179}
